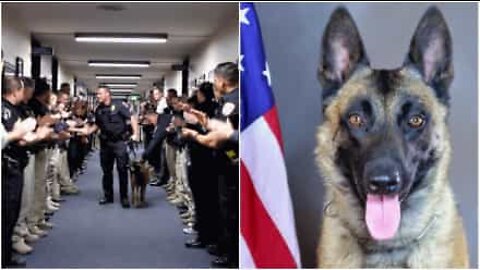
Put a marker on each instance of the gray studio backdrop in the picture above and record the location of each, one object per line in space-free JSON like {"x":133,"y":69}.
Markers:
{"x":292,"y":34}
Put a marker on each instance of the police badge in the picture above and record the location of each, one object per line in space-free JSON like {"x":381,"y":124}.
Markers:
{"x":228,"y":108}
{"x":6,"y":113}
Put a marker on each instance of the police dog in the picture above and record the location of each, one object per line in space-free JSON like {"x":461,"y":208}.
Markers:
{"x":140,"y":173}
{"x":384,"y":151}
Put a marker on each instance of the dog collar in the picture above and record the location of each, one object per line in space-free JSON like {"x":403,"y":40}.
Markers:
{"x":432,"y":221}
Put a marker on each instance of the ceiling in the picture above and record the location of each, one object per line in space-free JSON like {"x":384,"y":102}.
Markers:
{"x":189,"y":26}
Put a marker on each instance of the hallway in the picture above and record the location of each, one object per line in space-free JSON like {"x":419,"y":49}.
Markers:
{"x":87,"y":235}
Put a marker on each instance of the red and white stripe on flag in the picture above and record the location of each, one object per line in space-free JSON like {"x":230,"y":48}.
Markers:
{"x":268,"y":238}
{"x":267,"y":226}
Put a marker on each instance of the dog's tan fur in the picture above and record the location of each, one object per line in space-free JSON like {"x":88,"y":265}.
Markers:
{"x":139,"y":182}
{"x":431,"y":234}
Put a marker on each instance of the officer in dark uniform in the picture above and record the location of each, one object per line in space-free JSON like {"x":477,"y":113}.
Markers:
{"x":111,"y":118}
{"x":227,"y":158}
{"x":226,"y":88}
{"x":147,"y":127}
{"x":14,"y":160}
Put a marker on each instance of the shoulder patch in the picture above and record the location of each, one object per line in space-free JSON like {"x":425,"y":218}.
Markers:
{"x":7,"y":114}
{"x":228,"y":108}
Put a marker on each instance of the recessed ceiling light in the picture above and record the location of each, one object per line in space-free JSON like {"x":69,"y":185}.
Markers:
{"x":121,"y":38}
{"x":108,"y":63}
{"x":118,"y":77}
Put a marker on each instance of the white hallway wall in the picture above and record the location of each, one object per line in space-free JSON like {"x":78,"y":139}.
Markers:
{"x":16,"y":43}
{"x":64,"y":76}
{"x":15,"y":40}
{"x":222,"y":47}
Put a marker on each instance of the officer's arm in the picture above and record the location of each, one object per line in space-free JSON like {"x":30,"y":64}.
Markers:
{"x":212,"y":139}
{"x":134,"y":121}
{"x":157,"y":138}
{"x":47,"y":120}
{"x":89,"y":129}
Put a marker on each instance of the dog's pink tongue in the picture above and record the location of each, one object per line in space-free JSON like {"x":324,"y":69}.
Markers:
{"x":382,"y":216}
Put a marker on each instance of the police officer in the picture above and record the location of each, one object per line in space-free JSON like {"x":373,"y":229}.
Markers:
{"x":147,"y":128}
{"x":111,"y":118}
{"x":226,"y":89}
{"x":14,"y":160}
{"x":227,"y":93}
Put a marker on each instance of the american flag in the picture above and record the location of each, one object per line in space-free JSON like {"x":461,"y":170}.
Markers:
{"x":268,"y":238}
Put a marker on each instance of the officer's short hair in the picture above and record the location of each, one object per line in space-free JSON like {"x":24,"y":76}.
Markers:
{"x":11,"y":84}
{"x":41,"y":87}
{"x":206,"y":89}
{"x":227,"y":71}
{"x":63,"y":92}
{"x":192,"y":100}
{"x":64,"y":85}
{"x":28,"y":83}
{"x":172,"y":92}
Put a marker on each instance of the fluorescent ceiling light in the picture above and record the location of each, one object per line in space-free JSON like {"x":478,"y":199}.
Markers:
{"x":120,"y":85}
{"x":117,"y":77}
{"x":117,"y":90}
{"x":121,"y":38}
{"x":133,"y":64}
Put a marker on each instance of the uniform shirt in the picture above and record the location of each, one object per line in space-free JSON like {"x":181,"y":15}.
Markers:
{"x":228,"y":110}
{"x":10,"y":115}
{"x":25,"y":112}
{"x":39,"y":110}
{"x":112,"y":119}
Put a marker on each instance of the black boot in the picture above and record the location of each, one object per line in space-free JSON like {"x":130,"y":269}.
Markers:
{"x":105,"y":200}
{"x":125,"y":203}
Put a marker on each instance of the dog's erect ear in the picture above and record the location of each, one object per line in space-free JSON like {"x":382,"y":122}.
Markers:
{"x":342,"y":52}
{"x":431,"y":53}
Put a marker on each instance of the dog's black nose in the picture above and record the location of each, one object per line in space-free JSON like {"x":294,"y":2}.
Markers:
{"x":382,"y":177}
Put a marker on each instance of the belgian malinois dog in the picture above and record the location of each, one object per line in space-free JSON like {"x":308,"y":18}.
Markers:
{"x":384,"y":151}
{"x":140,"y":173}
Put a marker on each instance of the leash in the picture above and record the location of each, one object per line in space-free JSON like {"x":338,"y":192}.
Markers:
{"x":131,"y":148}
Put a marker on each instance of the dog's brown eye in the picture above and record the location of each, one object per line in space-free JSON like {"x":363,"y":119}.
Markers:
{"x":416,"y":121}
{"x":355,"y":120}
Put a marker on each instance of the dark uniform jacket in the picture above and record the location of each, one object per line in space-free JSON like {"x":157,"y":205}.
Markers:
{"x":229,"y":110}
{"x":112,"y":121}
{"x":12,"y":152}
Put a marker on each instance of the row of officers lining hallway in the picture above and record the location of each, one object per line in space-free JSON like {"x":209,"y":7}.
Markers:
{"x":190,"y":149}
